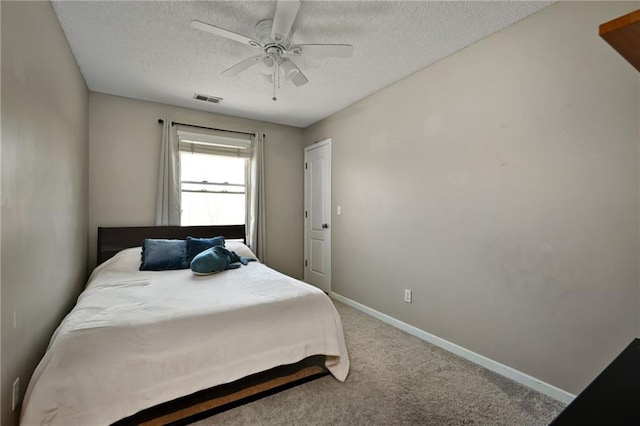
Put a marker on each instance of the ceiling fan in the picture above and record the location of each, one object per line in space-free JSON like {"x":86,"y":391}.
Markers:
{"x":277,"y":50}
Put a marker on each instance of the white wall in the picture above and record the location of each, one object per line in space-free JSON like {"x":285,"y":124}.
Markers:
{"x":125,"y":151}
{"x":45,"y":136}
{"x":501,"y":186}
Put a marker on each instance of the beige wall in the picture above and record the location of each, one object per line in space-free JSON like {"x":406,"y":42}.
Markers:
{"x":125,"y":150}
{"x":44,"y":186}
{"x":501,"y":186}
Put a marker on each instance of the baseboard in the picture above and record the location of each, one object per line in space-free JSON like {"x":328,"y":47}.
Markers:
{"x":513,"y":374}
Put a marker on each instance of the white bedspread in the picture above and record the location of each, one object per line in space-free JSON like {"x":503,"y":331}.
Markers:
{"x":136,"y":339}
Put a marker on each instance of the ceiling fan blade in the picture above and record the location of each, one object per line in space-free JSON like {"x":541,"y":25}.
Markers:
{"x":326,"y":50}
{"x":298,"y":78}
{"x":203,"y":26}
{"x":241,"y":66}
{"x":286,"y":12}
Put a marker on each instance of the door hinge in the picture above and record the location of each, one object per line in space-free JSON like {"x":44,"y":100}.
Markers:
{"x":305,"y":263}
{"x":305,"y":214}
{"x":306,"y":165}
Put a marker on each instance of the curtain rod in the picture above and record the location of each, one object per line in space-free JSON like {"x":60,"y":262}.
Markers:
{"x":173,"y":123}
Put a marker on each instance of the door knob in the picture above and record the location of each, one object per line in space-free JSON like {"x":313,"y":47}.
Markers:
{"x":325,"y":225}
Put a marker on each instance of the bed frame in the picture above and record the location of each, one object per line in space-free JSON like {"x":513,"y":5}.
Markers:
{"x":219,"y":398}
{"x":112,"y":240}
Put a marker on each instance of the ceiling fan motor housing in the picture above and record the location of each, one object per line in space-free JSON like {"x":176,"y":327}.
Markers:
{"x":274,"y":51}
{"x":263,"y":30}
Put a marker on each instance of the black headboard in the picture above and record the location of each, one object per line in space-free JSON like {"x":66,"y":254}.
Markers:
{"x":112,"y":240}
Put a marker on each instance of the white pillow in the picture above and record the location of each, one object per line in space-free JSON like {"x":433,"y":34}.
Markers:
{"x":240,"y":249}
{"x":126,"y":260}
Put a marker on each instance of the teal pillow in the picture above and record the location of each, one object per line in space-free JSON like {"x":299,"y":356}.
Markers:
{"x":195,"y":246}
{"x":162,"y":255}
{"x":214,"y":259}
{"x":217,"y":259}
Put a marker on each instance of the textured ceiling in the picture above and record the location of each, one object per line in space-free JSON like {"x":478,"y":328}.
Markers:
{"x":147,"y":50}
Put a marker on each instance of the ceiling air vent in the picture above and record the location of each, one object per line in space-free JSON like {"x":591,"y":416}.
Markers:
{"x":212,"y":99}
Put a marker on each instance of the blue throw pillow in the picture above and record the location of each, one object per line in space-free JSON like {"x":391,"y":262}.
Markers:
{"x":161,"y":255}
{"x":195,"y":246}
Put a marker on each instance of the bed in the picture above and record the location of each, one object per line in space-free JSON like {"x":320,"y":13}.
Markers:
{"x":147,"y":347}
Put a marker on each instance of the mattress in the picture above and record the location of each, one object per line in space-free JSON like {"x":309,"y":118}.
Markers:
{"x":136,"y":339}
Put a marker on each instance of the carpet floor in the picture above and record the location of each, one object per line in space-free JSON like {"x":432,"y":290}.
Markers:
{"x":397,"y":379}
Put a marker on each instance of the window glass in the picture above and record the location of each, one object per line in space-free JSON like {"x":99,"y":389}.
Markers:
{"x":213,"y":189}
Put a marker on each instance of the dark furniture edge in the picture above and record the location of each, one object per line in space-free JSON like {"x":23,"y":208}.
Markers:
{"x":160,"y":413}
{"x":612,"y":397}
{"x":111,"y":240}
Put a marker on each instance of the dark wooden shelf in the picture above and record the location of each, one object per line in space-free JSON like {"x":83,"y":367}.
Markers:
{"x":623,"y":34}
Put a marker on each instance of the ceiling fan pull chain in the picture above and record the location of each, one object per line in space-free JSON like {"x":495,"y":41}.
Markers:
{"x":274,"y":88}
{"x":276,"y":75}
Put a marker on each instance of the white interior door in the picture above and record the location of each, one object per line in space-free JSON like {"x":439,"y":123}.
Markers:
{"x":317,"y":211}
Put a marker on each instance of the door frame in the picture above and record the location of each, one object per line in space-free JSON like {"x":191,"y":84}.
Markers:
{"x":329,"y":231}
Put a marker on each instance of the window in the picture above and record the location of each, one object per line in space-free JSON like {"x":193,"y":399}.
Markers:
{"x":213,"y":180}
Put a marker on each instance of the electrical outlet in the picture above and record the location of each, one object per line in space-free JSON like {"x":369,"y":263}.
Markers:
{"x":15,"y":398}
{"x":407,"y":295}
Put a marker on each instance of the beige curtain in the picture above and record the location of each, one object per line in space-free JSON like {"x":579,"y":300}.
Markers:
{"x":256,"y":208}
{"x":168,"y":195}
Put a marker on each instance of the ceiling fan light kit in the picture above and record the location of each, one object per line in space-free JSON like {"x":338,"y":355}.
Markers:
{"x":273,"y":39}
{"x":287,"y":69}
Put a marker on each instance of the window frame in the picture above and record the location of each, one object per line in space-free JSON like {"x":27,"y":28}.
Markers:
{"x":214,"y":145}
